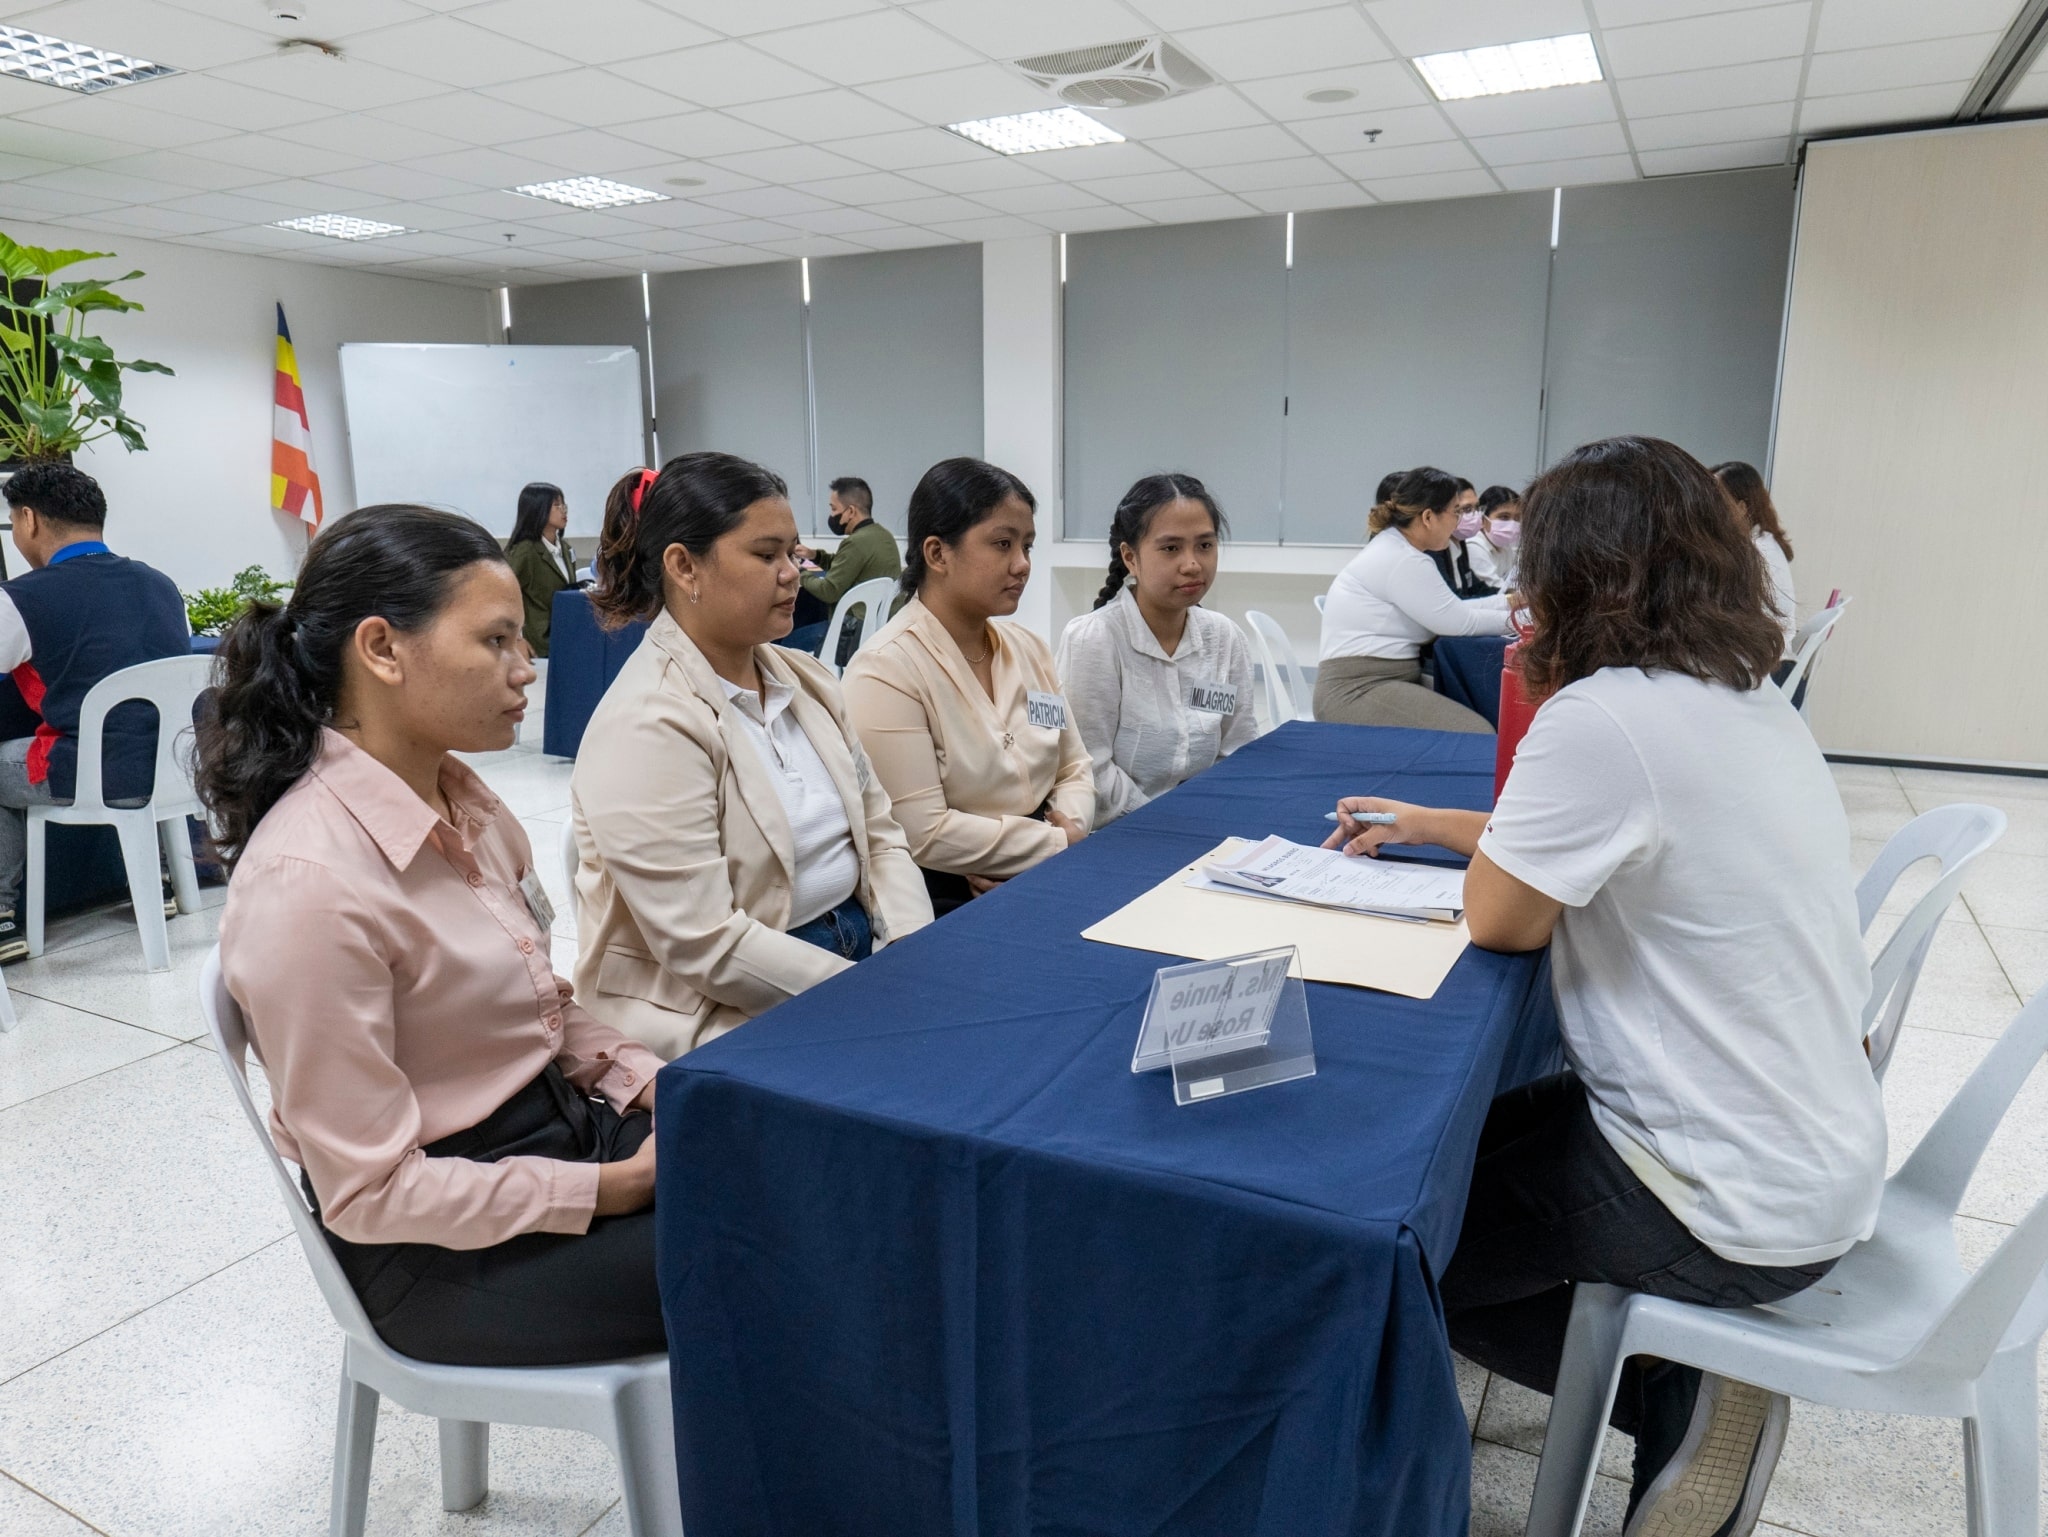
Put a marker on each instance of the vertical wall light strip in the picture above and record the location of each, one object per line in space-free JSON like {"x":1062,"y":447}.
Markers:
{"x":804,"y":265}
{"x":1549,"y":302}
{"x":1063,"y":258}
{"x":1290,"y":242}
{"x":1556,"y":214}
{"x":653,"y":407}
{"x":810,"y":396}
{"x":505,"y":312}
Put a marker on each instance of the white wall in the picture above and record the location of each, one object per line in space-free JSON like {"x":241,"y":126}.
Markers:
{"x":196,"y":505}
{"x":1020,"y":389}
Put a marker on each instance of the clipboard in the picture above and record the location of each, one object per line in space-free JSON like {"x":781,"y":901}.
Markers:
{"x":1350,"y":949}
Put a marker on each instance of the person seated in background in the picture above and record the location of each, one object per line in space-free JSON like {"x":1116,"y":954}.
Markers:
{"x":969,"y":731}
{"x":1160,"y":686}
{"x":1454,"y":560}
{"x":1388,"y":602}
{"x":733,"y":846}
{"x":78,"y":614}
{"x":475,"y":1144}
{"x":1492,"y":549}
{"x":1671,"y":830}
{"x":540,"y":557}
{"x":866,"y":551}
{"x":1753,"y":505}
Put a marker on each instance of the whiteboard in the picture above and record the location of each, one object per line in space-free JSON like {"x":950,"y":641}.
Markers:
{"x":464,"y":427}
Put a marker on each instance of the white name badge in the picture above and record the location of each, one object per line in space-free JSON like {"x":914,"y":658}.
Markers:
{"x":1213,"y":698}
{"x":537,"y":901}
{"x":1209,"y":1008}
{"x":1048,"y":710}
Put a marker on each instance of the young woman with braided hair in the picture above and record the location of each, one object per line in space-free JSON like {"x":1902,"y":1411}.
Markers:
{"x":1161,"y":687}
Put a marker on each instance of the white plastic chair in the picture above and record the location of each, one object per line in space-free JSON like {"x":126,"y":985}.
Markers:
{"x":876,"y":593}
{"x":1953,"y":836}
{"x":1806,"y":643}
{"x":7,"y":1019}
{"x":1897,"y":1327}
{"x":571,"y":859}
{"x":173,"y":684}
{"x":1321,"y":599}
{"x":625,"y":1404}
{"x":1288,"y":696}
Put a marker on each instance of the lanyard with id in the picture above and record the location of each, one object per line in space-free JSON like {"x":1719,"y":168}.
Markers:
{"x":537,"y":902}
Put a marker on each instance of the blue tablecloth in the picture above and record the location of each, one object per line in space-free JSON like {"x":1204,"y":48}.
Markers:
{"x":934,"y":1261}
{"x":582,"y":661}
{"x":1468,"y":671}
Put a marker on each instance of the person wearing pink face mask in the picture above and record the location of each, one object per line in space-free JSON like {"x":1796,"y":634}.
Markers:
{"x":1454,"y":562}
{"x":1494,"y":545}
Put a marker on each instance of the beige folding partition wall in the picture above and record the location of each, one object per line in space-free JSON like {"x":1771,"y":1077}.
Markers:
{"x":1912,"y":441}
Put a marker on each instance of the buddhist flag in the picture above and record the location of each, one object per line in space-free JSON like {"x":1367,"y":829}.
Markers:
{"x":294,"y":487}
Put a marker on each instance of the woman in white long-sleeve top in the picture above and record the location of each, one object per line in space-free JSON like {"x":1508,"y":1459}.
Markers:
{"x":1745,"y":488}
{"x":1389,"y":602}
{"x":1161,"y":687}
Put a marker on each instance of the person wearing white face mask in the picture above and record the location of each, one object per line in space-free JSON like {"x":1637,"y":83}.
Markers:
{"x":1493,"y":546}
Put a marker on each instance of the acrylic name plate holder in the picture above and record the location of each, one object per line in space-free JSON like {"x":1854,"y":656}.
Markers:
{"x":1227,"y":1025}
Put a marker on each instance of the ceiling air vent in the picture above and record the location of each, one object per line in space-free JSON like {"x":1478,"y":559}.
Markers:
{"x":1117,"y":74}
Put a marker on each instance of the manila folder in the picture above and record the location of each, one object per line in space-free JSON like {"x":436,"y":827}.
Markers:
{"x":1352,"y":949}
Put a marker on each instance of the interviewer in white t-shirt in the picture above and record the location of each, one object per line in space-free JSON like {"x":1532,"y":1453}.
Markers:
{"x":1670,"y":829}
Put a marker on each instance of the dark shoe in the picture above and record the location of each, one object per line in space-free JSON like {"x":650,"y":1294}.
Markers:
{"x":1713,"y":1485}
{"x":170,"y":898}
{"x":13,"y":941}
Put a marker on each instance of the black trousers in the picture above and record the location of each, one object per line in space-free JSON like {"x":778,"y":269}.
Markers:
{"x":540,"y":1299}
{"x":1552,"y":1203}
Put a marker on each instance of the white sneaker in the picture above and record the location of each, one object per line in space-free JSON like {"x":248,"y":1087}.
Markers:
{"x":1714,"y":1484}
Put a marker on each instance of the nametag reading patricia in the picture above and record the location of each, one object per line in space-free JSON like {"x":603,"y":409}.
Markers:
{"x":537,"y":901}
{"x":1048,"y":710}
{"x":1213,"y":698}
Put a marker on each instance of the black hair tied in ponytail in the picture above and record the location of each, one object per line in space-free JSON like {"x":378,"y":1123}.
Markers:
{"x":278,"y":673}
{"x":695,"y":501}
{"x":1134,"y":515}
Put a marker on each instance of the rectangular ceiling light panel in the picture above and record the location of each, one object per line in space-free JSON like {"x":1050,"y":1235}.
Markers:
{"x":590,"y":192}
{"x":1530,"y":66}
{"x":1025,"y":133}
{"x":340,"y":226}
{"x":73,"y":66}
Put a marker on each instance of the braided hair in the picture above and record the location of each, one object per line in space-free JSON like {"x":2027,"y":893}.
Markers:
{"x":1133,"y":520}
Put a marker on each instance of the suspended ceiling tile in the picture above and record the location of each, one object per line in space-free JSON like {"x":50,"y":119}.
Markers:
{"x":602,"y":30}
{"x":1902,"y":64}
{"x":700,"y":134}
{"x":1713,"y":157}
{"x":995,"y":227}
{"x":593,"y":98}
{"x":1443,"y":184}
{"x":1871,"y":23}
{"x":913,"y":149}
{"x":1092,"y":161}
{"x":1681,"y":130}
{"x":823,"y":116}
{"x":1053,"y":197}
{"x":1273,"y":175}
{"x":1390,"y":83}
{"x":1211,"y":108}
{"x":145,"y":29}
{"x":797,"y":162}
{"x":902,"y":238}
{"x":2032,"y":92}
{"x":65,"y":146}
{"x":1014,"y":31}
{"x":1430,"y":26}
{"x":351,"y":85}
{"x":275,"y":156}
{"x":1372,"y":166}
{"x":748,"y":231}
{"x":1306,"y":199}
{"x":868,"y":187}
{"x":878,"y":45}
{"x":592,"y":152}
{"x":987,"y":174}
{"x":1080,"y":220}
{"x":302,"y":195}
{"x":471,"y":117}
{"x":766,"y":202}
{"x":102,"y":181}
{"x":960,"y":95}
{"x":1567,"y":173}
{"x":1194,"y":210}
{"x":720,"y":75}
{"x":449,"y":50}
{"x":1396,"y":127}
{"x":738,"y":18}
{"x":1705,"y":90}
{"x":1232,"y":146}
{"x":1152,"y":187}
{"x":1552,"y":144}
{"x":1179,"y":15}
{"x":174,"y":169}
{"x":123,"y":120}
{"x":1628,"y":13}
{"x":405,"y":184}
{"x":1867,"y":109}
{"x":207,"y":99}
{"x":1285,"y":45}
{"x":840,"y":221}
{"x":362,"y":137}
{"x":929,"y":210}
{"x":487,"y":167}
{"x":1703,"y":42}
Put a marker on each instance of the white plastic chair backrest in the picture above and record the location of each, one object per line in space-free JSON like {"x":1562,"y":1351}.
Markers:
{"x":173,"y":684}
{"x":1807,"y":641}
{"x":571,"y":859}
{"x":875,"y":593}
{"x":1276,"y":657}
{"x":1953,"y":836}
{"x":1321,"y":599}
{"x":231,"y":1040}
{"x":1985,"y":1311}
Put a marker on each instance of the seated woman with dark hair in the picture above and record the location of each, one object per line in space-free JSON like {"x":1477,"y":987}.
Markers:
{"x":734,"y":848}
{"x":475,"y":1144}
{"x":540,"y":557}
{"x":1493,"y":546}
{"x":1670,"y":829}
{"x":965,"y":718}
{"x":1760,"y":520}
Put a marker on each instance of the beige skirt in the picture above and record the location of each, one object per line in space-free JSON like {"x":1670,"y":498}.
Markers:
{"x":1387,"y":691}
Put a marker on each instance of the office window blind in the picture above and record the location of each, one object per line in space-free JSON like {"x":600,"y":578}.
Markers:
{"x":729,"y":369}
{"x":1414,"y":336}
{"x":1665,"y":312}
{"x":895,"y":368}
{"x":1173,"y":338}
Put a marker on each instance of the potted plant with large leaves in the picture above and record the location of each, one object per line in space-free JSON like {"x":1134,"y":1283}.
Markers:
{"x":60,"y":388}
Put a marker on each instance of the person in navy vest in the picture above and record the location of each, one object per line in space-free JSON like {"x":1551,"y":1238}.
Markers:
{"x":78,"y":614}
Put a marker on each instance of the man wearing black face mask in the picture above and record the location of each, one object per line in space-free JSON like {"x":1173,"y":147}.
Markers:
{"x":866,"y":551}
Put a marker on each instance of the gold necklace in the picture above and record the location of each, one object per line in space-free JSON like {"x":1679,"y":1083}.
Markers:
{"x":986,"y":648}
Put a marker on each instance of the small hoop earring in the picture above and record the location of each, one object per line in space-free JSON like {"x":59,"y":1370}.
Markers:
{"x":694,"y":595}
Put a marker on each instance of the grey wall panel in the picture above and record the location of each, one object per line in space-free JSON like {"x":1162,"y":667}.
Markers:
{"x":896,"y":367}
{"x":1415,"y":336}
{"x":603,"y":311}
{"x":729,"y":369}
{"x":1174,"y":338}
{"x":1666,"y":310}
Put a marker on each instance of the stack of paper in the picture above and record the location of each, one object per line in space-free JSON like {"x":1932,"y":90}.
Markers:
{"x":1294,"y":872}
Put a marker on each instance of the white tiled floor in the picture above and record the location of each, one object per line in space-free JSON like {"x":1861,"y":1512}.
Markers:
{"x":166,"y":1366}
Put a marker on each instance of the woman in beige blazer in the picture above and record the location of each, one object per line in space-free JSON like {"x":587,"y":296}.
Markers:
{"x":733,"y":845}
{"x":965,"y":720}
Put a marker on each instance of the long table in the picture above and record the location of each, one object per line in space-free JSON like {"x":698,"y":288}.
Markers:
{"x":934,"y":1261}
{"x":582,"y":661}
{"x":1468,"y":669}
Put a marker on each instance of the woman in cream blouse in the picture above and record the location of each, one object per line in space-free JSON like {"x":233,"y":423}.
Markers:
{"x":734,"y":847}
{"x":965,"y":720}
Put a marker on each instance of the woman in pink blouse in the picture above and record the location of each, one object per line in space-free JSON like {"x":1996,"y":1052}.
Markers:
{"x":477,"y":1146}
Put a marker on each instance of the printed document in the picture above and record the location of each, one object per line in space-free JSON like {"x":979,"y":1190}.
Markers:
{"x":1294,"y":872}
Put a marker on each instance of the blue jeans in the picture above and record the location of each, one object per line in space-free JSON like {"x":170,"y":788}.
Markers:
{"x":845,"y":931}
{"x":807,"y":637}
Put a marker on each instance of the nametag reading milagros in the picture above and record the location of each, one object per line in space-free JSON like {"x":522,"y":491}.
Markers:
{"x":1213,"y":698}
{"x":537,"y":901}
{"x":1048,"y":710}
